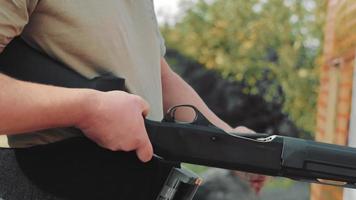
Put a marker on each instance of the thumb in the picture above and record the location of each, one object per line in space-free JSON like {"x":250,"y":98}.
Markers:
{"x":145,"y":151}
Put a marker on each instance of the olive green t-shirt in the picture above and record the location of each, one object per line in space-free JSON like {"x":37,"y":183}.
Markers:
{"x":90,"y":36}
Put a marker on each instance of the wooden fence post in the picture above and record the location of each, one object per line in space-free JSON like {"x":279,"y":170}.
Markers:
{"x":335,"y":94}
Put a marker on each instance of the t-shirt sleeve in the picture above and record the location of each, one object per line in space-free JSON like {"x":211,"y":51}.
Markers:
{"x":14,"y":15}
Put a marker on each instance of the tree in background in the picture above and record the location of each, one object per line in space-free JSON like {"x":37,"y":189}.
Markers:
{"x":269,"y":46}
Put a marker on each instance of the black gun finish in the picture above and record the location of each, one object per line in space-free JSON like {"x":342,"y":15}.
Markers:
{"x":270,"y":155}
{"x":213,"y":147}
{"x":319,"y":162}
{"x":294,"y":158}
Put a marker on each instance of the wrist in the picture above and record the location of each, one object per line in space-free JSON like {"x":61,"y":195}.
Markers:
{"x":88,"y":103}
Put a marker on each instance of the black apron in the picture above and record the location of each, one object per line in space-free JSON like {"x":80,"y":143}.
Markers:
{"x":78,"y":169}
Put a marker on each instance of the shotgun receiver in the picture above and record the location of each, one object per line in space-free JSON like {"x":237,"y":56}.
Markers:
{"x":199,"y":142}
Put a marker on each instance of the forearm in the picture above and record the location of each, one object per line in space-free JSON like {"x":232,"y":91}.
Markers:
{"x":28,"y":106}
{"x":176,"y":92}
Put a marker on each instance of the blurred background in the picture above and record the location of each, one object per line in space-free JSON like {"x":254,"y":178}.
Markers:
{"x":275,"y":66}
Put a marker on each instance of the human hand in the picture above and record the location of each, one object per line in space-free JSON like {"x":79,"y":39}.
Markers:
{"x":115,"y":121}
{"x":256,"y":181}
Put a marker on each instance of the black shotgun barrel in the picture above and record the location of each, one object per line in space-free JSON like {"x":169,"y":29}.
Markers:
{"x":319,"y":162}
{"x":294,"y":158}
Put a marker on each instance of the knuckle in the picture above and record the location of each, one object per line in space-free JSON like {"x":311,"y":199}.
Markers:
{"x":141,"y":102}
{"x":137,"y":99}
{"x":135,"y":103}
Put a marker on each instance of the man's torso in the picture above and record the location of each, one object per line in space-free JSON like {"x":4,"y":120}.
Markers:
{"x":93,"y":37}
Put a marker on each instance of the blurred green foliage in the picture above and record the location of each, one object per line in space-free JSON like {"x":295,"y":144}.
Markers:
{"x":199,"y":169}
{"x":271,"y":46}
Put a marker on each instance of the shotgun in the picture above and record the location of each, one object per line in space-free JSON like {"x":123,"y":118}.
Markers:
{"x":199,"y":142}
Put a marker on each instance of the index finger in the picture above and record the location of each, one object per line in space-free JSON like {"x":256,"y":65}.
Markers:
{"x":145,"y":150}
{"x":144,"y":106}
